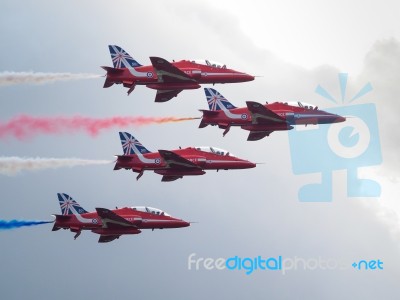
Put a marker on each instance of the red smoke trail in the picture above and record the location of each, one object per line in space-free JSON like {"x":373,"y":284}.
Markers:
{"x":25,"y":126}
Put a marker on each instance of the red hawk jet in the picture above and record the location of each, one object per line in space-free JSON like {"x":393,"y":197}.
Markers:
{"x":177,"y":163}
{"x":111,"y":224}
{"x":169,"y":79}
{"x":261,"y":119}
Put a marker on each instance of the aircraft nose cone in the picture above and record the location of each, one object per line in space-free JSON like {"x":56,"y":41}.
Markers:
{"x":336,"y":118}
{"x":328,"y":118}
{"x":250,"y":164}
{"x":178,"y":223}
{"x":249,"y":77}
{"x":340,"y":119}
{"x":185,"y":224}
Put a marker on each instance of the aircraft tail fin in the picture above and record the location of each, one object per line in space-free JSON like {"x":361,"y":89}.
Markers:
{"x":121,"y":162}
{"x":55,"y":227}
{"x":69,"y":206}
{"x":108,"y":83}
{"x":216,"y":101}
{"x":110,"y":71}
{"x":121,"y":58}
{"x":206,"y":115}
{"x":130,"y":145}
{"x":59,"y":218}
{"x":203,"y":124}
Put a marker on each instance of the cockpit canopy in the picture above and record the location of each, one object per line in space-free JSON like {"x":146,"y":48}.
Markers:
{"x":150,"y":210}
{"x":209,"y":63}
{"x":214,"y":150}
{"x":302,"y":105}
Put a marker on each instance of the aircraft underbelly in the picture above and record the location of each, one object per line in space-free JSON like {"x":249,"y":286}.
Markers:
{"x":173,"y":86}
{"x":179,"y":172}
{"x":116,"y":231}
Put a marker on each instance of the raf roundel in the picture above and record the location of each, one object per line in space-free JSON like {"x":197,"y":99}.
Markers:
{"x":157,"y":161}
{"x":244,"y":116}
{"x":150,"y":74}
{"x":94,"y":221}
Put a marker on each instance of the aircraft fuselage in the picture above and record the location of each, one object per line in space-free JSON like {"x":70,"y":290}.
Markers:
{"x":201,"y":74}
{"x":194,"y":162}
{"x":293,"y":115}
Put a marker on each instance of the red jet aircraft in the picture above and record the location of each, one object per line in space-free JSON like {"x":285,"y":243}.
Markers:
{"x":177,"y":163}
{"x":111,"y":224}
{"x":169,"y":79}
{"x":261,"y":119}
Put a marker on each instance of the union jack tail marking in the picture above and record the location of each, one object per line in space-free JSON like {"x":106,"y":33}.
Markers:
{"x":130,"y":145}
{"x":121,"y":58}
{"x":69,"y":206}
{"x":216,"y":101}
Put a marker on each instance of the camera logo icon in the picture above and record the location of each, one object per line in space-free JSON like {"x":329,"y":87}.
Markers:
{"x":346,"y":146}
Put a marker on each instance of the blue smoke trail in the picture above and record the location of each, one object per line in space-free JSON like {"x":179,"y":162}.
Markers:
{"x":7,"y":225}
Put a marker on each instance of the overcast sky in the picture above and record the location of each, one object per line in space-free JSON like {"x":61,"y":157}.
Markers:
{"x":293,"y":47}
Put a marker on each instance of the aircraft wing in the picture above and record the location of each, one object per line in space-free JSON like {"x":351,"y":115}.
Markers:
{"x":176,"y":161}
{"x":262,"y":115}
{"x":258,"y":135}
{"x":112,"y":220}
{"x":167,"y":178}
{"x":108,"y":238}
{"x":166,"y":95}
{"x":166,"y":72}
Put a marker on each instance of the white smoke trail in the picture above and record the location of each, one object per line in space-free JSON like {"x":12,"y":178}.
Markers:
{"x":12,"y":78}
{"x":12,"y":165}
